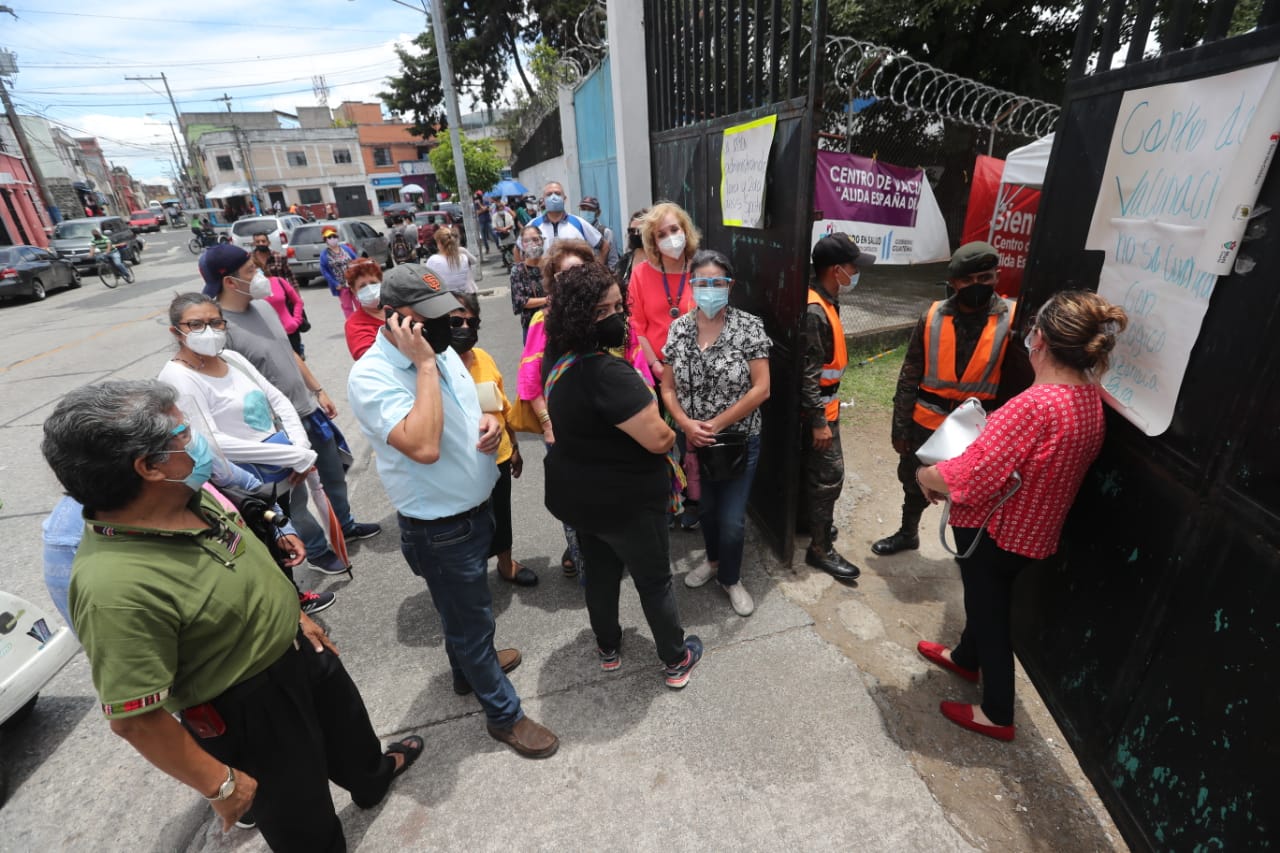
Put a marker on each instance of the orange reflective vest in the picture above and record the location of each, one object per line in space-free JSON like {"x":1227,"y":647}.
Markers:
{"x":940,"y":389}
{"x":829,"y":383}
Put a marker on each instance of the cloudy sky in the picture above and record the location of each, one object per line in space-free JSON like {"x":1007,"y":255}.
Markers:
{"x":73,"y":58}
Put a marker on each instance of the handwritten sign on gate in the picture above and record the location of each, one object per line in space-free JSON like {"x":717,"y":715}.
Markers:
{"x":1175,"y":151}
{"x":744,"y":164}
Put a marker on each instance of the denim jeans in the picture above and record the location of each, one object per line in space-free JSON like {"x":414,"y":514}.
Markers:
{"x":723,"y":512}
{"x":452,"y":557}
{"x":329,"y":467}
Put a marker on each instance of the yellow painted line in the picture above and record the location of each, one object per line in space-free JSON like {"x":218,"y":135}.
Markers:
{"x":73,"y":344}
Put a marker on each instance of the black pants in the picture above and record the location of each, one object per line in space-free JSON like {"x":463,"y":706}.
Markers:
{"x":914,"y":502}
{"x":293,"y":728}
{"x":643,"y":546}
{"x":500,"y":501}
{"x":824,"y":480}
{"x":988,"y":576}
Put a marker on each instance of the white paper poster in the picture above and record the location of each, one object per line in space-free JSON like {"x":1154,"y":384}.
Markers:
{"x":744,"y":163}
{"x":1176,"y":152}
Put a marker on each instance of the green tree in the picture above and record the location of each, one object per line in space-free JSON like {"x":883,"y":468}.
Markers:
{"x":483,"y":165}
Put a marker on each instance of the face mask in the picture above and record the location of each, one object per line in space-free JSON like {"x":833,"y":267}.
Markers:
{"x":634,"y":240}
{"x":202,"y":458}
{"x":464,"y":338}
{"x":555,"y":203}
{"x":332,"y":241}
{"x":208,"y":341}
{"x":848,"y":286}
{"x":673,"y":246}
{"x":711,"y":300}
{"x":975,"y":295}
{"x":611,"y":332}
{"x":533,"y":250}
{"x":370,"y":295}
{"x":259,"y":286}
{"x":588,"y":215}
{"x":438,"y":333}
{"x":1026,"y":342}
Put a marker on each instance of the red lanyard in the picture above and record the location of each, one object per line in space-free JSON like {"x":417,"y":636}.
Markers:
{"x":674,"y":305}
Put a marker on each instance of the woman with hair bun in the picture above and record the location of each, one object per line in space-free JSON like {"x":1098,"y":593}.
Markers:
{"x":1049,"y":435}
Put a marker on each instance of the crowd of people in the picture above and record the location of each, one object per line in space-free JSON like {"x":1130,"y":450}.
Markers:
{"x":644,"y":385}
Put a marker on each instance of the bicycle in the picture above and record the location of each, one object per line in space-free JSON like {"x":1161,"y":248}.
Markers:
{"x":110,"y":273}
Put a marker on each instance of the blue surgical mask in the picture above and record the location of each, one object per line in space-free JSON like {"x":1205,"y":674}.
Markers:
{"x":588,"y":215}
{"x":848,"y":286}
{"x":555,"y":203}
{"x":202,"y":458}
{"x":711,"y":300}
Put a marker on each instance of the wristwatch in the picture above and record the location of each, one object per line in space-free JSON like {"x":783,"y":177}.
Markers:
{"x":226,"y":789}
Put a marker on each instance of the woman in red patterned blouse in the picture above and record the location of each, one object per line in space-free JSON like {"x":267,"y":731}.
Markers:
{"x":1049,"y":434}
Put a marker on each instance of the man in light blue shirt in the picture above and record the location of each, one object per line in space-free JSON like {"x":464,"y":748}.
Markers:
{"x":417,"y":405}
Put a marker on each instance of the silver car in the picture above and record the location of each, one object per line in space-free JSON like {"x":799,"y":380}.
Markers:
{"x":306,"y":244}
{"x":279,"y":229}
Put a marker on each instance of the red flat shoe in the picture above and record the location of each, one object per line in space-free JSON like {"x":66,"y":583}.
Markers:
{"x":962,"y":715}
{"x":933,"y":652}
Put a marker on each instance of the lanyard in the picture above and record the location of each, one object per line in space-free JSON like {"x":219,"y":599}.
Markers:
{"x":674,"y":305}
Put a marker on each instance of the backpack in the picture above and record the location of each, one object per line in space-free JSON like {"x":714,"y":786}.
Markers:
{"x":401,"y":251}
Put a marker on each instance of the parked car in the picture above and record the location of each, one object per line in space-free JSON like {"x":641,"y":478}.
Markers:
{"x":71,"y":238}
{"x":32,"y":271}
{"x":391,"y":211}
{"x":278,"y":229}
{"x":145,"y":220}
{"x":306,"y":244}
{"x":449,"y":213}
{"x":32,"y":651}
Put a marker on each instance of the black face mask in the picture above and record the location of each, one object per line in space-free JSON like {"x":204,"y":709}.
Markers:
{"x":463,"y":338}
{"x":438,"y":333}
{"x":611,"y":332}
{"x":634,"y":239}
{"x":975,"y":295}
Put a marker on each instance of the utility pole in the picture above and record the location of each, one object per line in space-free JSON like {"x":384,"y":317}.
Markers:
{"x":440,"y":26}
{"x":36,"y":175}
{"x":243,"y":145}
{"x":190,"y":152}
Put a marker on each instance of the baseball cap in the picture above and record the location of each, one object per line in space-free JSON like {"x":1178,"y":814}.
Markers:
{"x":972,"y":258}
{"x":414,"y":286}
{"x":328,"y":231}
{"x":217,"y":263}
{"x":589,"y":202}
{"x":839,"y":248}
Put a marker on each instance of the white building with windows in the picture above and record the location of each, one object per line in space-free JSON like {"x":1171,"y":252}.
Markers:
{"x":311,"y":166}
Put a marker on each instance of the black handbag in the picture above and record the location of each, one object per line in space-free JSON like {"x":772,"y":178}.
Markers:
{"x":726,"y":459}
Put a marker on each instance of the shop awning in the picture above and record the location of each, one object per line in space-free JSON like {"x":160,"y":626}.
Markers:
{"x":229,"y":190}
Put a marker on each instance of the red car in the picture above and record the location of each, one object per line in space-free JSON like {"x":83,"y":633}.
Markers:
{"x":144,"y":220}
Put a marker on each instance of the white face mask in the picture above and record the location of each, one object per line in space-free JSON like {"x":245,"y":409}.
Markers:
{"x":672,"y":246}
{"x":370,"y":295}
{"x":259,"y":286}
{"x":848,"y":286}
{"x":208,"y":341}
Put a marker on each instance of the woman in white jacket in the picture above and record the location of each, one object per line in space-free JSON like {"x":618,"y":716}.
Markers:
{"x":254,"y":423}
{"x":457,"y":269}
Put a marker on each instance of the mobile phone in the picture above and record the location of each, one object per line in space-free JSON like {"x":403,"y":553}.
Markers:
{"x":204,"y":721}
{"x":391,"y":312}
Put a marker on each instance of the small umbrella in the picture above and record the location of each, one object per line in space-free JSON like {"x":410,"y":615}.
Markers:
{"x":412,"y":189}
{"x":328,"y":518}
{"x":509,"y":187}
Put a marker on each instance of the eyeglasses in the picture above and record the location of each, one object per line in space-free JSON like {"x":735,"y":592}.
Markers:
{"x":718,"y":281}
{"x":456,"y":322}
{"x":988,"y":277}
{"x":201,"y":325}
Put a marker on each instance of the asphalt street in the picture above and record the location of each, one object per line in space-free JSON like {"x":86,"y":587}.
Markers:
{"x":775,"y":743}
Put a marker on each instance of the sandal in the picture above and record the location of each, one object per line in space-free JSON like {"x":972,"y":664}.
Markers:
{"x":567,"y":565}
{"x":524,"y":575}
{"x":410,"y":747}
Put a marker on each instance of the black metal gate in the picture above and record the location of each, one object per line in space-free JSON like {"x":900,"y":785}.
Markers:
{"x":715,"y":64}
{"x":352,"y":200}
{"x":1153,"y":636}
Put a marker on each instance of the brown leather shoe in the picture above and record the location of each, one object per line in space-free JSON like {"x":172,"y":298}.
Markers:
{"x":508,"y":659}
{"x":528,"y":738}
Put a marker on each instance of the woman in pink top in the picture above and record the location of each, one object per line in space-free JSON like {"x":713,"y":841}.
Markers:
{"x":659,"y":289}
{"x":284,"y":298}
{"x":1049,"y":434}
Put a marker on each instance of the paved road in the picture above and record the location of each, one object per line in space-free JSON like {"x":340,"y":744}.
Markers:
{"x":774,"y":745}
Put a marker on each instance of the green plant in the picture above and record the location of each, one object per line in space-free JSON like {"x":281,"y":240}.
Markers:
{"x":482,"y":163}
{"x":872,"y":377}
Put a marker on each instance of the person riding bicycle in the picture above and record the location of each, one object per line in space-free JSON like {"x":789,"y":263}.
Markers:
{"x":101,"y":244}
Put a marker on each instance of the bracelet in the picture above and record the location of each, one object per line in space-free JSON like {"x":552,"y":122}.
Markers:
{"x":544,"y":417}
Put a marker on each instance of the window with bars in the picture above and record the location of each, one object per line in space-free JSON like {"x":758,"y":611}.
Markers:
{"x":382,"y":156}
{"x":296,"y":158}
{"x":341,"y":155}
{"x":224,"y":163}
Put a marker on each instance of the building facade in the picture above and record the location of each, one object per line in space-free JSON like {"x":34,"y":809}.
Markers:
{"x":384,"y":145}
{"x":59,"y":157}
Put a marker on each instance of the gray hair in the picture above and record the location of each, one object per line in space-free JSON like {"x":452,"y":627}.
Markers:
{"x":97,"y":431}
{"x":182,"y":301}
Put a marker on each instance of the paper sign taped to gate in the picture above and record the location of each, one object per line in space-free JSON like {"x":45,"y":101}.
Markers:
{"x":744,"y":164}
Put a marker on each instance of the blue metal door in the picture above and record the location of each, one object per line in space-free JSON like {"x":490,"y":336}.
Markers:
{"x":597,"y":153}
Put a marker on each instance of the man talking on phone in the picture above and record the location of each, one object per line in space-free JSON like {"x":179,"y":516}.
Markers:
{"x":417,"y":405}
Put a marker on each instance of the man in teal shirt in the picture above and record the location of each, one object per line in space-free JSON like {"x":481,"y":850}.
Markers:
{"x":100,"y":244}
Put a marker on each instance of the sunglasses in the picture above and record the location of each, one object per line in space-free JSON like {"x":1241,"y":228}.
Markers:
{"x":459,"y":322}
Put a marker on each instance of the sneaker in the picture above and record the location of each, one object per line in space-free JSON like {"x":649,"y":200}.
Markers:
{"x":700,"y":576}
{"x":359,"y":530}
{"x":689,"y":520}
{"x":313,"y":602}
{"x":247,"y":820}
{"x":329,"y":563}
{"x":677,"y":675}
{"x":740,"y":599}
{"x":610,"y":660}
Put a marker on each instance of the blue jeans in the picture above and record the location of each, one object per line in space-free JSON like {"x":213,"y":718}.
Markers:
{"x":452,"y":556}
{"x":723,"y":512}
{"x":329,"y":467}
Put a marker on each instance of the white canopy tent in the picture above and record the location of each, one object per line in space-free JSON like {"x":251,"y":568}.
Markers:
{"x":412,"y":189}
{"x":229,"y":190}
{"x":1026,"y":165}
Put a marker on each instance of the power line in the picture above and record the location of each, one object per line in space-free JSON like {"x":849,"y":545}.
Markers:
{"x":224,"y":23}
{"x":57,"y":91}
{"x":83,"y":104}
